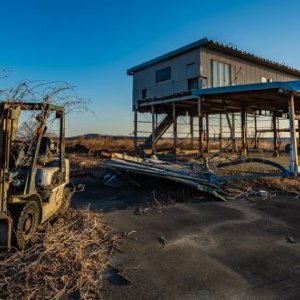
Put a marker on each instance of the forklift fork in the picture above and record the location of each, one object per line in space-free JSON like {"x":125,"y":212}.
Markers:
{"x":5,"y":231}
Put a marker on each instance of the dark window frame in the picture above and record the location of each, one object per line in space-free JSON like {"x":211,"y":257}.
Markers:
{"x":163,"y":74}
{"x":193,"y":83}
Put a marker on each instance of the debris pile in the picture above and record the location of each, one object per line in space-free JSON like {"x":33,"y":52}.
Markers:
{"x":191,"y":175}
{"x":67,"y":259}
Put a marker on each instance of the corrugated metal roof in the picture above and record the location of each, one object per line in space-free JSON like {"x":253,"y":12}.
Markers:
{"x":221,"y":48}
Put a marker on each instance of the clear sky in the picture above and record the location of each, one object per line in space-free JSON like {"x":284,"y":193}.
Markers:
{"x":91,"y":43}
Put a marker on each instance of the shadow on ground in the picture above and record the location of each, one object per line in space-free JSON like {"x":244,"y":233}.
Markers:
{"x":200,"y":249}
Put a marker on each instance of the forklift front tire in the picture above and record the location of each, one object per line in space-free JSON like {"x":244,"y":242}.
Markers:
{"x":25,"y":223}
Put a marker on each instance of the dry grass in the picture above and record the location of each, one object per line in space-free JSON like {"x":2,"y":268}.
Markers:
{"x":119,"y":144}
{"x":284,"y":185}
{"x":239,"y":188}
{"x":69,"y":257}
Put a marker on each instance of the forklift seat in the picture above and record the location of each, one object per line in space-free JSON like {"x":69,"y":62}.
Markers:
{"x":45,"y":145}
{"x":45,"y":154}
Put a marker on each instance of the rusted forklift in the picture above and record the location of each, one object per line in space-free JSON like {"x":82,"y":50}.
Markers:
{"x":34,"y":174}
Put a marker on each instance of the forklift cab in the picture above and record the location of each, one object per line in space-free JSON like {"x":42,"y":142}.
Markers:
{"x":34,"y":173}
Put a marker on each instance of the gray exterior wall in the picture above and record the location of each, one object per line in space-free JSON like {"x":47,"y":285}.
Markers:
{"x":242,"y":71}
{"x":184,"y":66}
{"x":198,"y":63}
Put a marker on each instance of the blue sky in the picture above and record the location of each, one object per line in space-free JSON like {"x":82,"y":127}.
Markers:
{"x":91,"y":43}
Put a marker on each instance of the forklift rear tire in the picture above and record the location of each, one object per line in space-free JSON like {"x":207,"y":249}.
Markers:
{"x":26,"y":220}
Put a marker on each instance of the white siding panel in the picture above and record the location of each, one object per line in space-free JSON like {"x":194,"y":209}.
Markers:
{"x":243,"y":72}
{"x":198,"y":63}
{"x":183,"y":67}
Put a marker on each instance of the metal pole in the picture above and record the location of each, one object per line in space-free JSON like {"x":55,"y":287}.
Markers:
{"x":207,"y":132}
{"x":192,"y":131}
{"x":233,"y":126}
{"x":174,"y":129}
{"x":293,"y":140}
{"x":200,"y":117}
{"x":299,"y":135}
{"x":135,"y":128}
{"x":255,"y":132}
{"x":220,"y":133}
{"x":234,"y":146}
{"x":30,"y":184}
{"x":153,"y":129}
{"x":274,"y":127}
{"x":243,"y":133}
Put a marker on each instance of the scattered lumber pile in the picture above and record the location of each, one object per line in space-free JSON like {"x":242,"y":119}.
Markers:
{"x":192,"y":175}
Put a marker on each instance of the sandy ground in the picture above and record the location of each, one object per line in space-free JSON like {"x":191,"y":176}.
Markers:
{"x":214,"y":250}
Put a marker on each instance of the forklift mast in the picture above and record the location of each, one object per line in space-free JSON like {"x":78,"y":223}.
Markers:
{"x":9,"y":118}
{"x":8,"y":126}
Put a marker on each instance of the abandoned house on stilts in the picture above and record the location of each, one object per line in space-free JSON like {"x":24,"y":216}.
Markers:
{"x":224,"y":96}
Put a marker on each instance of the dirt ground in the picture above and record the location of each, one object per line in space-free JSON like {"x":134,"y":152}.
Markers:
{"x":200,"y":249}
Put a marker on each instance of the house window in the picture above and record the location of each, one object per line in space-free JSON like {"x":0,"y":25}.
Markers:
{"x":221,"y":74}
{"x":193,"y":83}
{"x":163,"y":74}
{"x":144,"y":93}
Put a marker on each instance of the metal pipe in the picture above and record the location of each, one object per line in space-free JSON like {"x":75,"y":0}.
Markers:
{"x":298,"y":134}
{"x":293,"y":141}
{"x":30,"y":184}
{"x":62,"y":143}
{"x":255,"y":132}
{"x":244,"y":133}
{"x":135,"y":128}
{"x":207,"y":132}
{"x":153,"y":129}
{"x":220,"y":133}
{"x":200,"y":124}
{"x":274,"y":127}
{"x":192,"y":131}
{"x":174,"y":129}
